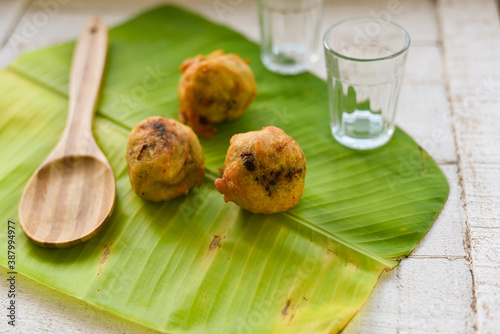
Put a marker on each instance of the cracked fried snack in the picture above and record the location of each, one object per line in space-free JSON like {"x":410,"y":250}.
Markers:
{"x":264,"y":171}
{"x":164,"y":158}
{"x":214,"y":88}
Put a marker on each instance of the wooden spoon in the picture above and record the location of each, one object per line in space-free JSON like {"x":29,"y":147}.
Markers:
{"x":72,"y":194}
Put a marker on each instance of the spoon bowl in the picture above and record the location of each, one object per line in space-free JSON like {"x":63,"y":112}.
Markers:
{"x":83,"y":189}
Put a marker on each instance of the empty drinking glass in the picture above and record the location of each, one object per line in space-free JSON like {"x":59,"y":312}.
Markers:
{"x":289,"y":32}
{"x":365,"y":60}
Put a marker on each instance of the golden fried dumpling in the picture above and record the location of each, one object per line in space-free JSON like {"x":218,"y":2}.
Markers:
{"x":164,"y":158}
{"x":264,"y":171}
{"x":214,"y":88}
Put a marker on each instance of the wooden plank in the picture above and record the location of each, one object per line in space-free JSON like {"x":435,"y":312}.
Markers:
{"x":482,"y":188}
{"x":424,"y":112}
{"x":471,"y":44}
{"x":435,"y":303}
{"x":10,"y":13}
{"x":446,"y":237}
{"x":424,"y":65}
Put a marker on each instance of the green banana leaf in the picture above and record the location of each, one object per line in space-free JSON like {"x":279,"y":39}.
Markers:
{"x":196,"y":264}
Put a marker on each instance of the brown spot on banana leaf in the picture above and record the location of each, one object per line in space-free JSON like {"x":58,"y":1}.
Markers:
{"x":284,"y":311}
{"x":215,"y":242}
{"x":104,"y":258}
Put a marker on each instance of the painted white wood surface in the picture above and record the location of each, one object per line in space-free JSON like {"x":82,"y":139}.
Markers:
{"x":473,"y":74}
{"x":451,"y":282}
{"x":10,"y":14}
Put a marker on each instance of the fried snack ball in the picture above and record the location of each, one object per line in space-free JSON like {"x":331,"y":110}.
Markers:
{"x":265,"y":171}
{"x":214,"y":88}
{"x":164,"y":158}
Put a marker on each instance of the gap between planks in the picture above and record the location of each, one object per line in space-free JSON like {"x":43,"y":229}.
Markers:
{"x":467,"y":239}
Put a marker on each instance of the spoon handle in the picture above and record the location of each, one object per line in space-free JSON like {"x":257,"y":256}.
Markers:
{"x":89,"y":62}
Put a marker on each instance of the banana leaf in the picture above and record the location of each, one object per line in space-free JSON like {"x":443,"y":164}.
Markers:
{"x":196,"y":264}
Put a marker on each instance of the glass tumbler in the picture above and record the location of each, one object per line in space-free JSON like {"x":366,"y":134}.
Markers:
{"x":289,"y":32}
{"x":365,"y":60}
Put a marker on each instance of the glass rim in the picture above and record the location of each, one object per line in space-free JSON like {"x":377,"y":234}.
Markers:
{"x":393,"y":55}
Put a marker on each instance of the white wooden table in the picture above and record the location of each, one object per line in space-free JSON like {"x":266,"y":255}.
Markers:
{"x":450,"y":103}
